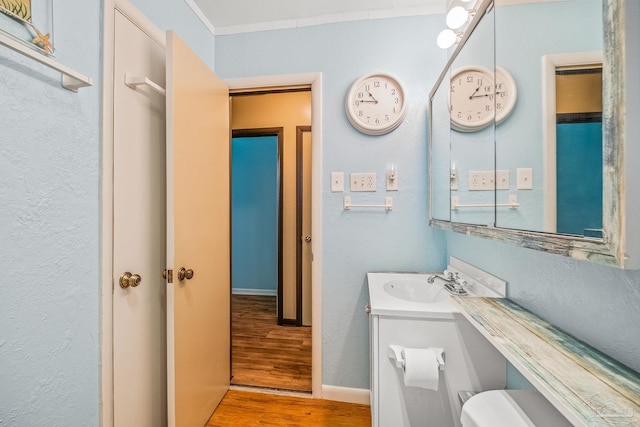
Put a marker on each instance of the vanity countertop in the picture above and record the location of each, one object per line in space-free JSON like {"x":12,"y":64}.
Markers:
{"x":585,"y":385}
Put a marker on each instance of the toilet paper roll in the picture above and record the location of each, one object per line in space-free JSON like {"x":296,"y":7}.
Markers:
{"x":421,"y":368}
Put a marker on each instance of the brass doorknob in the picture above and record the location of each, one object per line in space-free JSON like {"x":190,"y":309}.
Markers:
{"x":307,"y":239}
{"x":183,"y":273}
{"x":127,"y":279}
{"x":135,"y":280}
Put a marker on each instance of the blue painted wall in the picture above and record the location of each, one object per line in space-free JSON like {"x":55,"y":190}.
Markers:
{"x":49,"y":221}
{"x":254,"y":214}
{"x":49,"y":175}
{"x":355,"y":242}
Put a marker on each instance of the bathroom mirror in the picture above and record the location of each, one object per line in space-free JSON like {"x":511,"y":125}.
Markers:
{"x":551,"y":142}
{"x":472,"y":124}
{"x":576,"y":36}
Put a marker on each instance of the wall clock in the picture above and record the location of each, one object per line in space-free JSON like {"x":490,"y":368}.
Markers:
{"x":476,"y":101}
{"x":472,"y":98}
{"x":376,"y":103}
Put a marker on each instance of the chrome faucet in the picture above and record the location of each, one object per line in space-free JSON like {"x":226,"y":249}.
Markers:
{"x":452,"y":282}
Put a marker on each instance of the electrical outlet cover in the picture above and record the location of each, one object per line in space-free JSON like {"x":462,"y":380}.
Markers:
{"x":363,"y":182}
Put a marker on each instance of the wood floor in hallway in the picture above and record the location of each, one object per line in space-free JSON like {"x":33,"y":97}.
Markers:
{"x":265,"y":354}
{"x":247,"y":409}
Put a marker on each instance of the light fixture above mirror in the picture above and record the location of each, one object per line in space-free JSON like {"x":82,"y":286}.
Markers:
{"x":460,"y":14}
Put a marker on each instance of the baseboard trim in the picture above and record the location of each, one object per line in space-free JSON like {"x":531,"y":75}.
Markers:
{"x":345,"y":394}
{"x":260,"y":292}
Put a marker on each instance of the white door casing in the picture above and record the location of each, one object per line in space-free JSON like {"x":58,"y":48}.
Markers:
{"x":139,"y":330}
{"x":247,"y":84}
{"x":307,"y":256}
{"x":198,"y":237}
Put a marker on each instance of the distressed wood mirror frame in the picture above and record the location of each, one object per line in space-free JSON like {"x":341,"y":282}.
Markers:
{"x":612,"y":249}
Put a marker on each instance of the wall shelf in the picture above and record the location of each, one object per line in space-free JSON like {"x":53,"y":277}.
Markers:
{"x":71,"y":80}
{"x":585,"y":385}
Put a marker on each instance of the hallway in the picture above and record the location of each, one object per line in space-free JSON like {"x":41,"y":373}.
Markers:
{"x":265,"y":354}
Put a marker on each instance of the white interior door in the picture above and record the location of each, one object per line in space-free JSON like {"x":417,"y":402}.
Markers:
{"x":198,"y":237}
{"x":139,"y":329}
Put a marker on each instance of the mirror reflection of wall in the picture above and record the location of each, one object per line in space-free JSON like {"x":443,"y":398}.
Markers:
{"x":441,"y":171}
{"x":472,"y":105}
{"x":525,"y":33}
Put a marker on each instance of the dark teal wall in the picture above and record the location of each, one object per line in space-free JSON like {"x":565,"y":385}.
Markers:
{"x":254,"y":213}
{"x":579,"y":177}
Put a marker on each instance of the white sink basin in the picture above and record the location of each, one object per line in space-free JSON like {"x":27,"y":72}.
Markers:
{"x":415,"y":290}
{"x":408,"y":295}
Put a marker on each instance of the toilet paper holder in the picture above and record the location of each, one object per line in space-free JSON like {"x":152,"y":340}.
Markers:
{"x":396,"y":353}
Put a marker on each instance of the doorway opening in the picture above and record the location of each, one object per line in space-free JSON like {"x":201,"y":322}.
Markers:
{"x":579,"y":149}
{"x":271,"y":208}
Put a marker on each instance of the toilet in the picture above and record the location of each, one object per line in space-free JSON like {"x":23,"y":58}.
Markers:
{"x":511,"y":408}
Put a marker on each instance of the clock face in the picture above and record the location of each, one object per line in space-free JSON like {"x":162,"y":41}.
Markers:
{"x":375,"y":103}
{"x":472,"y":98}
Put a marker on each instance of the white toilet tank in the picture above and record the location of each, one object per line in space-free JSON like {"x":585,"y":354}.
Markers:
{"x":511,"y":408}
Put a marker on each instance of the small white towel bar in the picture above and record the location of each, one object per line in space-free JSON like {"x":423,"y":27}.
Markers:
{"x":388,"y":205}
{"x":134,"y":81}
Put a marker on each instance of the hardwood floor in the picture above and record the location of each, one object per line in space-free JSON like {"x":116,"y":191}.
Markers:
{"x":265,"y":354}
{"x":246,"y":409}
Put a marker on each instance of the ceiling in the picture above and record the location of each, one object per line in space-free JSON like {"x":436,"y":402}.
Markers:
{"x":235,"y":13}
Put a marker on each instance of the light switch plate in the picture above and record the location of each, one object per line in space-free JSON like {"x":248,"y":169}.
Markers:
{"x":337,"y":182}
{"x":525,"y":179}
{"x":392,"y":180}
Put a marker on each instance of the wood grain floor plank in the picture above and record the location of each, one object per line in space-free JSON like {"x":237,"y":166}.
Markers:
{"x":265,"y":354}
{"x":248,"y":409}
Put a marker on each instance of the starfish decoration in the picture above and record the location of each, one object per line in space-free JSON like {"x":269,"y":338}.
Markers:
{"x":43,"y":40}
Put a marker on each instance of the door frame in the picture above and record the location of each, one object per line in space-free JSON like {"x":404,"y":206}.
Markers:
{"x":278,"y":132}
{"x":106,"y":194}
{"x":549,"y":65}
{"x":261,"y":83}
{"x":300,"y":130}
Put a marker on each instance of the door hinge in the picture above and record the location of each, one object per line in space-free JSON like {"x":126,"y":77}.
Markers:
{"x":168,"y":275}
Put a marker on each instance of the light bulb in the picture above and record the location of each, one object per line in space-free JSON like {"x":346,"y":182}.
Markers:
{"x":446,"y":39}
{"x":457,"y":17}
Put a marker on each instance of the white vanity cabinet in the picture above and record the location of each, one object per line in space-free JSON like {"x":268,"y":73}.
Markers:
{"x":471,"y":364}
